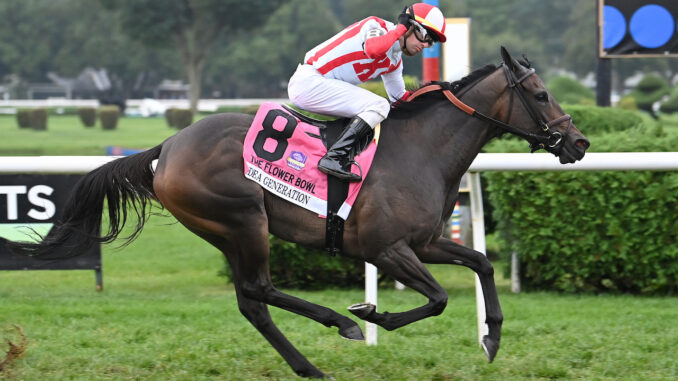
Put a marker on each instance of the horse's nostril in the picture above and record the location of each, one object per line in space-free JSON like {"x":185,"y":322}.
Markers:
{"x":582,"y":143}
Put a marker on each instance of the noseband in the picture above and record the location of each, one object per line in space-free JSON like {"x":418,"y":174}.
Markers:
{"x":551,"y":141}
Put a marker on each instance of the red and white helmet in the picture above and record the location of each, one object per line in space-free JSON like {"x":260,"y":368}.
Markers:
{"x":431,"y":18}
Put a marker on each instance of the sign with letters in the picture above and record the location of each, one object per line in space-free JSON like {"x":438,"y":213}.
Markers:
{"x":31,"y":204}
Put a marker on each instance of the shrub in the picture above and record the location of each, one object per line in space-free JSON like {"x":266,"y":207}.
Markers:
{"x":88,"y":116}
{"x":649,"y":90}
{"x":182,"y":118}
{"x":23,"y":118}
{"x":109,"y":115}
{"x":628,"y":102}
{"x":169,"y":117}
{"x":224,"y":109}
{"x":593,"y":231}
{"x":619,"y":237}
{"x":38,"y":119}
{"x":568,"y":90}
{"x":671,"y":105}
{"x":595,"y":120}
{"x":252,"y":109}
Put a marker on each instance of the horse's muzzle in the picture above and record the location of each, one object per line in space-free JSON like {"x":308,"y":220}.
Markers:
{"x":573,"y":148}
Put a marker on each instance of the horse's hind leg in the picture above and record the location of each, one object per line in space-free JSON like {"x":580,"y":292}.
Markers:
{"x":446,"y":251}
{"x":400,"y":262}
{"x":348,"y":329}
{"x":257,"y":313}
{"x":252,"y":266}
{"x":248,"y":258}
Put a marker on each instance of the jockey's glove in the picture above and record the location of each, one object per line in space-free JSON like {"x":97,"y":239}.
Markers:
{"x":405,"y":18}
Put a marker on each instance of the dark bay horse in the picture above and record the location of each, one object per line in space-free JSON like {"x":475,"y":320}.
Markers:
{"x":425,"y":147}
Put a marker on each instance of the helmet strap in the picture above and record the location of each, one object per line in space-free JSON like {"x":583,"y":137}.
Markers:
{"x":405,"y":36}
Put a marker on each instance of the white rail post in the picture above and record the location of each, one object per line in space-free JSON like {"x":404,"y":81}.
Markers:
{"x":515,"y":273}
{"x":370,"y":297}
{"x":478,"y":225}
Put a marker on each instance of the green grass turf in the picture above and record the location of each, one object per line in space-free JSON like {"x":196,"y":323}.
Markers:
{"x":65,"y":135}
{"x":166,"y":314}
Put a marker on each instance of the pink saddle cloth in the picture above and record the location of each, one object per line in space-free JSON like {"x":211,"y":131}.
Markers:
{"x":281,"y":153}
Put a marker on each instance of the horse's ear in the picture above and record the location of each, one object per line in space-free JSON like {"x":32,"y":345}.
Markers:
{"x":508,"y":60}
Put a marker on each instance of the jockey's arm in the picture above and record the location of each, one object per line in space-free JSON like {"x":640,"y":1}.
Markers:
{"x":378,"y":43}
{"x":395,"y":84}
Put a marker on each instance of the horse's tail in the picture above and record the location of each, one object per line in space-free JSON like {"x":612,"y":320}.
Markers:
{"x":126,"y":183}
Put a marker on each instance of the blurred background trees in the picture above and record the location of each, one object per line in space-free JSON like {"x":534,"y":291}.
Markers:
{"x":249,"y":49}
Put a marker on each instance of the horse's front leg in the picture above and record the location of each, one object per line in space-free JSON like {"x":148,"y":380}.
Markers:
{"x":400,"y":262}
{"x":446,"y":251}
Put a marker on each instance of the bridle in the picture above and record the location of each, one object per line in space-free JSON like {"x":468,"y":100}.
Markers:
{"x":549,"y":140}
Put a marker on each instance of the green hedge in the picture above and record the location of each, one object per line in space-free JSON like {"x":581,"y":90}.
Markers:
{"x":593,"y":231}
{"x":377,"y":86}
{"x":294,"y":266}
{"x":169,"y":117}
{"x":671,"y":104}
{"x":568,"y":90}
{"x":178,"y":117}
{"x":88,"y":116}
{"x":592,"y":120}
{"x":38,"y":119}
{"x":109,"y":115}
{"x":182,"y":118}
{"x":23,"y":118}
{"x":649,"y":90}
{"x":627,"y":102}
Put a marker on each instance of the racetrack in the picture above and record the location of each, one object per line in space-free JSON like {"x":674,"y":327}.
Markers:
{"x":166,"y":314}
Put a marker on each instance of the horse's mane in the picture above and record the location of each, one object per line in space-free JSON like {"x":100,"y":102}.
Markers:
{"x":403,"y":110}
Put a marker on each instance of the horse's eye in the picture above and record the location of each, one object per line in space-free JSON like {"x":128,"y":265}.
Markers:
{"x":542,"y":97}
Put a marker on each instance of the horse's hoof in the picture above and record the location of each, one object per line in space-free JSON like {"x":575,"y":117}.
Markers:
{"x":362,"y":310}
{"x":312,"y":373}
{"x":353,"y":333}
{"x":490,"y":346}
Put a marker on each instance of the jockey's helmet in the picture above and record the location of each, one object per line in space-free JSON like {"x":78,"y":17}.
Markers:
{"x":431,"y":18}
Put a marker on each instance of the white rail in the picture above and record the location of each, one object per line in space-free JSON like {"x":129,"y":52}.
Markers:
{"x":593,"y":161}
{"x":609,"y":161}
{"x":52,"y":164}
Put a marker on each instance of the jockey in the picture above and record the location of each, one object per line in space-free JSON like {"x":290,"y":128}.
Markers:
{"x":326,"y":82}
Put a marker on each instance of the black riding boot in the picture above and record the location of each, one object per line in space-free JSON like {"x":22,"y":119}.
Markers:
{"x":336,"y":160}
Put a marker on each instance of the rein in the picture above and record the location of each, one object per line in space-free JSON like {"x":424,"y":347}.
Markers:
{"x":549,"y":140}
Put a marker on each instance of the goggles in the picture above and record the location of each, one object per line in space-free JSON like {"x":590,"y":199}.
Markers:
{"x":423,"y":35}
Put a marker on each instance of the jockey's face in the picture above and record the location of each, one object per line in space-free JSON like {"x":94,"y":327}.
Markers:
{"x":412,"y":45}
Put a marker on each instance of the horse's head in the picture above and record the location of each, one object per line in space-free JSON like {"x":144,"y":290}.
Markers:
{"x":536,"y":115}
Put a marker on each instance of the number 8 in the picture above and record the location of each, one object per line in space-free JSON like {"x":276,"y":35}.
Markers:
{"x":271,"y":133}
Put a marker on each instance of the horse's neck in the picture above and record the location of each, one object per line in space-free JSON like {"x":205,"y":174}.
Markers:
{"x":460,"y":137}
{"x":441,"y":144}
{"x":473,"y":133}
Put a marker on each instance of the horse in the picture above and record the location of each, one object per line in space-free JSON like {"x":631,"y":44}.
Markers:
{"x":396,"y":223}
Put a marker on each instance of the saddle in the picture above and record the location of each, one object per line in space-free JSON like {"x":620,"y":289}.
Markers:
{"x":330,"y":130}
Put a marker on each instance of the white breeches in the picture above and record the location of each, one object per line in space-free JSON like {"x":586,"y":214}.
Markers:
{"x":311,"y":91}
